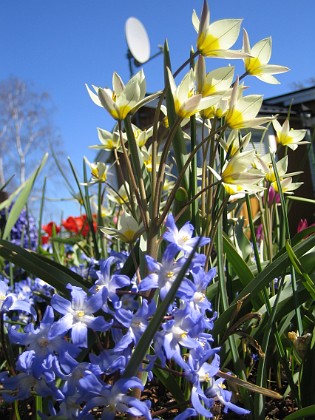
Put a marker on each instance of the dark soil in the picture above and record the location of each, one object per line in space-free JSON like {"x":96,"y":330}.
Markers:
{"x":164,"y":406}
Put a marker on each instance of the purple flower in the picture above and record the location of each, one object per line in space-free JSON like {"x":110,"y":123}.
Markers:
{"x":199,"y":372}
{"x":10,"y":302}
{"x":36,"y":339}
{"x":25,"y":231}
{"x":163,"y":274}
{"x":111,"y":360}
{"x":176,"y":333}
{"x":4,"y":290}
{"x":259,"y":233}
{"x":113,"y":398}
{"x":72,"y":384}
{"x":197,"y":303}
{"x":136,"y":324}
{"x":224,"y":396}
{"x":25,"y":382}
{"x":107,"y":283}
{"x":69,"y":408}
{"x":78,"y":316}
{"x":182,"y":238}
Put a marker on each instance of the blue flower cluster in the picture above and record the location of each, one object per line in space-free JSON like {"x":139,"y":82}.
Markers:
{"x":24,"y":232}
{"x":109,"y":320}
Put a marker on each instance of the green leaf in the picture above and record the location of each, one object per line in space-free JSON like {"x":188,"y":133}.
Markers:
{"x":307,"y":381}
{"x":308,"y":262}
{"x":22,"y":199}
{"x":268,"y":274}
{"x":306,"y":280}
{"x":6,"y":183}
{"x":285,"y":305}
{"x":305,"y":200}
{"x":239,"y":265}
{"x":51,"y":272}
{"x":304,"y":412}
{"x":302,"y":235}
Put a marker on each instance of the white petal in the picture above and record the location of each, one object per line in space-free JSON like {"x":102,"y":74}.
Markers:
{"x":118,"y":84}
{"x":282,"y":166}
{"x":171,"y":81}
{"x":276,"y":125}
{"x":267,"y":78}
{"x":204,"y":19}
{"x":262,"y":50}
{"x":200,"y":73}
{"x":231,"y":54}
{"x":226,"y":31}
{"x":215,"y":173}
{"x":257,"y":122}
{"x":93,"y":96}
{"x":274,"y":69}
{"x":249,"y":106}
{"x":195,"y":21}
{"x":219,"y":79}
{"x":246,"y":44}
{"x":106,"y":99}
{"x":191,"y":104}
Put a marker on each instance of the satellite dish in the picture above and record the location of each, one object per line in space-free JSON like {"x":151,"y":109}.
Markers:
{"x":137,"y":40}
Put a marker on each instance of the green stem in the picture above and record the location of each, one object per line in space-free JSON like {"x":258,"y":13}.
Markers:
{"x":181,"y":175}
{"x":287,"y":231}
{"x":193,"y":177}
{"x":252,"y":233}
{"x":133,"y":182}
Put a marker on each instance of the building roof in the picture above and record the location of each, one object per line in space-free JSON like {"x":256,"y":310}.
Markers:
{"x":299,"y":96}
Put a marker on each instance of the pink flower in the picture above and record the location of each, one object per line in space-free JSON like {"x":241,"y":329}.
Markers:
{"x":303,"y":224}
{"x":259,"y":233}
{"x":273,"y":197}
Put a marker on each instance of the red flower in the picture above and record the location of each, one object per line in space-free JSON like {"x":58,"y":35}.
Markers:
{"x":49,"y":228}
{"x":77,"y":225}
{"x":45,"y":239}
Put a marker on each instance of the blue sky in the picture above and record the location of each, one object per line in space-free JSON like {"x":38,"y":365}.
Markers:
{"x":59,"y":45}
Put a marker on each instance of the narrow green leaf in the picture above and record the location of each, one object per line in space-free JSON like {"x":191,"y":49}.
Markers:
{"x":140,"y":171}
{"x":307,"y":374}
{"x":307,"y":281}
{"x":88,"y":211}
{"x":302,"y":413}
{"x":239,"y":265}
{"x":22,"y":199}
{"x":39,"y":406}
{"x":6,"y":183}
{"x":241,"y":269}
{"x":305,"y":200}
{"x":51,"y":272}
{"x":302,"y":234}
{"x":268,"y":274}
